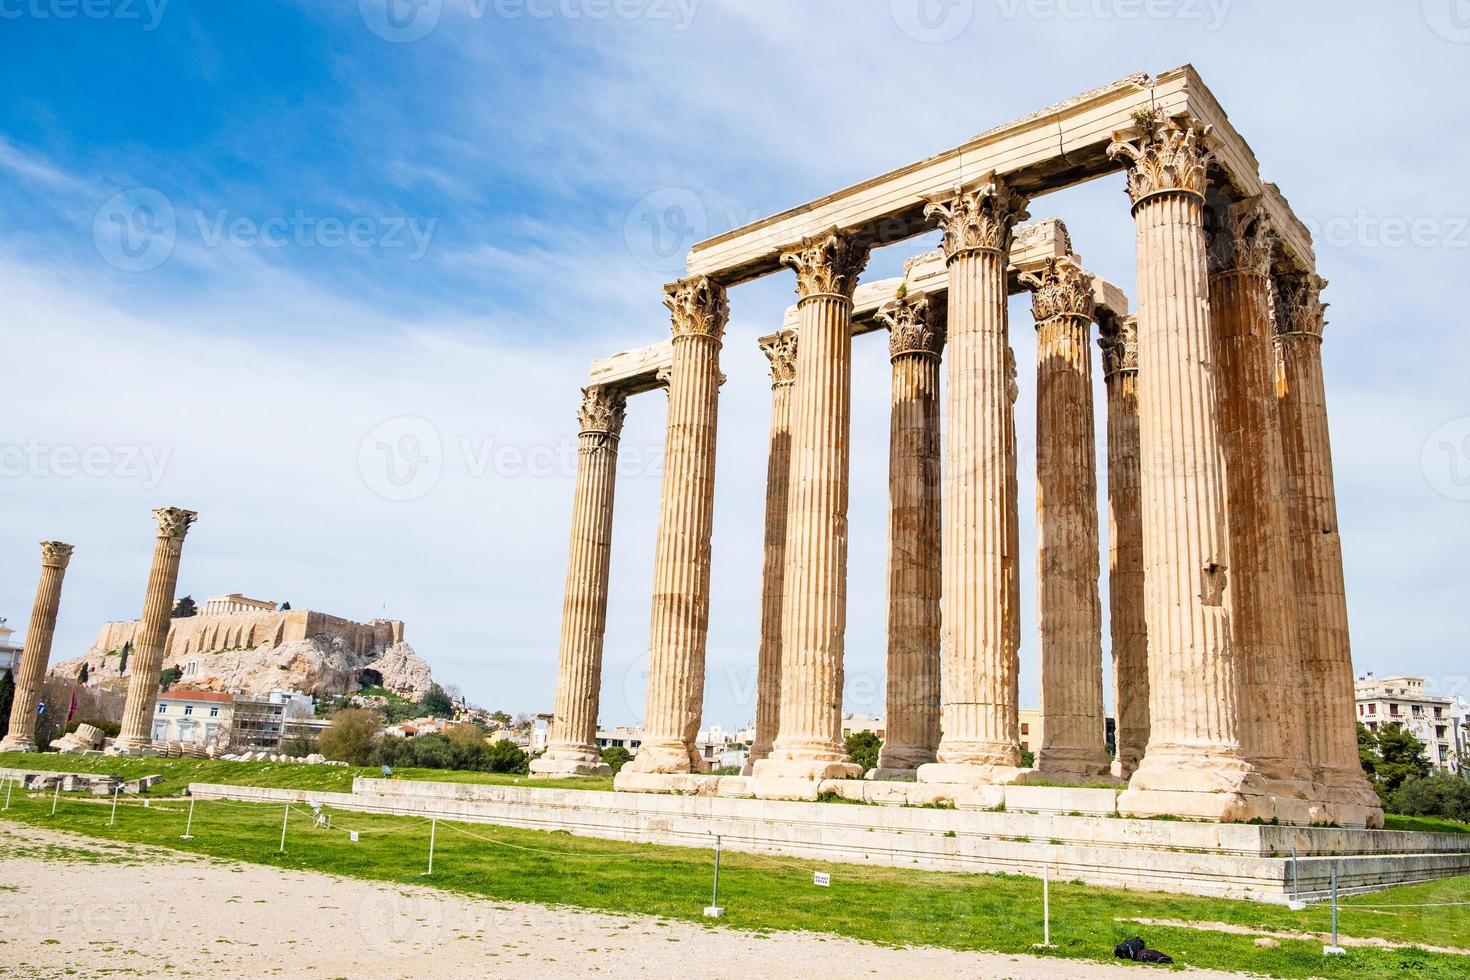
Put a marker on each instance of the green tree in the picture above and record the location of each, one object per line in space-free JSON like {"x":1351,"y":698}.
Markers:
{"x":506,"y":756}
{"x":500,"y":718}
{"x":170,"y":676}
{"x":1400,"y":757}
{"x":617,"y":757}
{"x":7,"y":697}
{"x":351,"y":737}
{"x":1367,"y":751}
{"x":1028,"y":759}
{"x":863,"y":748}
{"x":437,"y":703}
{"x":185,"y":608}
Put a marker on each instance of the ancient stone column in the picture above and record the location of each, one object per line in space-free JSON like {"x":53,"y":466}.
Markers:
{"x":572,"y":750}
{"x":1073,"y":722}
{"x":1119,"y":342}
{"x":980,"y":713}
{"x":680,"y":622}
{"x":36,"y":653}
{"x":911,"y":712}
{"x":1263,"y":624}
{"x":1193,"y":765}
{"x":158,"y":607}
{"x":814,"y":606}
{"x":782,"y":354}
{"x":1331,"y":732}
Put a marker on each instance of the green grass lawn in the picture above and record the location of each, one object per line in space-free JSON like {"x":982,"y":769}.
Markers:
{"x":179,"y":773}
{"x":1392,"y":821}
{"x":891,"y":906}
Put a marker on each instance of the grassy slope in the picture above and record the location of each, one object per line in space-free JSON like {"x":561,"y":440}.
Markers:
{"x":179,"y":773}
{"x":991,"y":912}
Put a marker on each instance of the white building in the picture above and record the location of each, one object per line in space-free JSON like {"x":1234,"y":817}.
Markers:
{"x":9,"y":649}
{"x":1438,"y":722}
{"x":199,"y":717}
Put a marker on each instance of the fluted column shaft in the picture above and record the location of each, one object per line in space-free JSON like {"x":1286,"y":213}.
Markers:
{"x":1125,"y":548}
{"x":1331,"y":733}
{"x":814,"y":607}
{"x":573,"y":747}
{"x":36,"y":654}
{"x":1262,"y":597}
{"x":680,"y":622}
{"x":782,"y":352}
{"x":1074,"y":728}
{"x":1193,"y":761}
{"x":912,"y":700}
{"x":137,"y":725}
{"x":980,"y":716}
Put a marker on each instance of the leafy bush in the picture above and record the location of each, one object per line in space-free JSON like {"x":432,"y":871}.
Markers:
{"x":617,"y":757}
{"x":863,"y":748}
{"x":1436,"y":795}
{"x":352,"y":737}
{"x":455,"y":750}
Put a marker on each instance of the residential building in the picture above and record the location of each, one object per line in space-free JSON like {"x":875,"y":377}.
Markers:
{"x":9,"y":649}
{"x":1402,"y":700}
{"x":201,"y":717}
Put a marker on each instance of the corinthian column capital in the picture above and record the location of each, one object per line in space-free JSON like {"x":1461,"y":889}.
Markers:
{"x":915,"y":326}
{"x":1299,"y":307}
{"x":174,"y":522}
{"x":55,"y":554}
{"x":781,"y":351}
{"x":827,"y":265}
{"x":979,"y":218}
{"x":699,"y":307}
{"x":1062,"y":289}
{"x":1118,"y":338}
{"x":603,"y":410}
{"x":1245,"y":242}
{"x":1171,"y":157}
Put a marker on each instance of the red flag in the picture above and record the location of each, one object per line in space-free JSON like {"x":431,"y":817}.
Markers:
{"x":73,"y":709}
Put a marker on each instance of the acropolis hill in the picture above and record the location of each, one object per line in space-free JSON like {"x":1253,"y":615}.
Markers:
{"x":235,"y":643}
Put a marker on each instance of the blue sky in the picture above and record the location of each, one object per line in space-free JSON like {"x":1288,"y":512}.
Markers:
{"x":336,"y":232}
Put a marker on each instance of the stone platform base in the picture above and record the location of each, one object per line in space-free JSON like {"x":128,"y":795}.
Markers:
{"x":1227,"y":860}
{"x":544,"y":768}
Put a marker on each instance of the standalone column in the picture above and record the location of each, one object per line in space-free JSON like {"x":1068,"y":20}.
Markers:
{"x":782,"y":353}
{"x":911,"y":713}
{"x":680,"y":627}
{"x":36,"y":654}
{"x":1193,"y":765}
{"x":1119,"y":342}
{"x":814,"y":609}
{"x":158,"y":607}
{"x":981,"y":723}
{"x":1263,"y":623}
{"x":573,"y":748}
{"x":1317,"y":552}
{"x":1075,"y":729}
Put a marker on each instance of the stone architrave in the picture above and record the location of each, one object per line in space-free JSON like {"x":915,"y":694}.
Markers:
{"x":1331,"y":731}
{"x":1263,"y":625}
{"x":1193,"y":765}
{"x":572,"y":750}
{"x":1073,"y":722}
{"x":36,"y":653}
{"x":980,"y":714}
{"x":680,"y":621}
{"x":782,"y":353}
{"x":809,"y":745}
{"x":911,"y":713}
{"x":136,"y":735}
{"x":1119,"y":342}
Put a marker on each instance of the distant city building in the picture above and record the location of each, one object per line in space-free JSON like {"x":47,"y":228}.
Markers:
{"x":863,"y":723}
{"x":234,"y":604}
{"x":234,"y":721}
{"x":9,"y":649}
{"x":1438,"y":722}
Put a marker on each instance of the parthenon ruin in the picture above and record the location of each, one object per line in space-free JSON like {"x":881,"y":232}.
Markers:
{"x":1225,"y":580}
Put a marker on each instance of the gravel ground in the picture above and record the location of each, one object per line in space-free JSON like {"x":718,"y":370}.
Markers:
{"x":77,"y":906}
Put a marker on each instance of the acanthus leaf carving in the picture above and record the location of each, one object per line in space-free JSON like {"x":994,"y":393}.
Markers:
{"x":781,"y":351}
{"x":915,"y":326}
{"x":1062,"y":289}
{"x":982,"y":217}
{"x":827,"y":265}
{"x":1245,"y":242}
{"x":603,"y":410}
{"x":1172,"y":155}
{"x":1299,"y":307}
{"x":699,"y":307}
{"x":55,"y":554}
{"x":174,"y":522}
{"x":1118,"y":338}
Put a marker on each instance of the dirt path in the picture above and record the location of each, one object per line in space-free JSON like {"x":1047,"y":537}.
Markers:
{"x":71,"y":903}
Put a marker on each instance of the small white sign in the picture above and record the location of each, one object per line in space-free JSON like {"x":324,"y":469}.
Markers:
{"x":353,"y":835}
{"x":821,"y":879}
